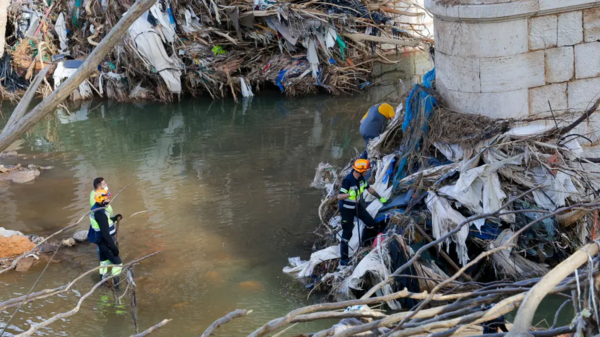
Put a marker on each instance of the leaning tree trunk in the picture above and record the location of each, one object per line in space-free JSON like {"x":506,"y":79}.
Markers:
{"x":89,"y":66}
{"x":3,"y":22}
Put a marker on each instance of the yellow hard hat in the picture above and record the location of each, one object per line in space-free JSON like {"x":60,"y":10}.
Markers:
{"x":387,"y":110}
{"x":101,"y":196}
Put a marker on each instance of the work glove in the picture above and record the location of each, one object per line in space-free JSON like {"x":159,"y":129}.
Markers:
{"x":383,"y":200}
{"x":352,"y":193}
{"x":117,"y":217}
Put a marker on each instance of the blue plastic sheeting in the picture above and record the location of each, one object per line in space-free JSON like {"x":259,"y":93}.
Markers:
{"x":382,"y":217}
{"x":419,"y":100}
{"x":389,"y":172}
{"x":489,"y":231}
{"x":400,"y":200}
{"x":72,"y":64}
{"x":279,"y":79}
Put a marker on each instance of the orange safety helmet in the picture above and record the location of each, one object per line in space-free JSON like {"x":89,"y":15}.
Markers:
{"x":361,"y":165}
{"x":101,"y":196}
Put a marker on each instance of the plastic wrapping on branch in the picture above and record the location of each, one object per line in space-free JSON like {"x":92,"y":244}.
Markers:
{"x":217,"y":47}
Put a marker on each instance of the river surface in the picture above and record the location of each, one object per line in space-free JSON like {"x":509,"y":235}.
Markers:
{"x":226,"y":190}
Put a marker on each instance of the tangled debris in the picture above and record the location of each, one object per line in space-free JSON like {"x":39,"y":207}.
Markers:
{"x":216,"y":47}
{"x":476,"y":205}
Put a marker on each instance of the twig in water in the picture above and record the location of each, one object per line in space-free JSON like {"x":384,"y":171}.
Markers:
{"x":152,"y":328}
{"x":51,"y":292}
{"x":224,"y":320}
{"x":558,"y":313}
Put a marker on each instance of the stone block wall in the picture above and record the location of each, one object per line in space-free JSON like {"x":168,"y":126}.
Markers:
{"x":509,"y":58}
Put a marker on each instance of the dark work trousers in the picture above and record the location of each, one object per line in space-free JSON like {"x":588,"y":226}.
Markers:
{"x":369,"y":231}
{"x":98,"y":250}
{"x":106,"y":254}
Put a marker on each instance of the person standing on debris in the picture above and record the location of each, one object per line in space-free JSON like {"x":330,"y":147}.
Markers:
{"x":374,"y":123}
{"x":104,"y":231}
{"x":350,"y":206}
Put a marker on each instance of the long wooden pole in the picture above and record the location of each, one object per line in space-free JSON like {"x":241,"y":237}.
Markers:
{"x":21,"y":108}
{"x":89,"y":66}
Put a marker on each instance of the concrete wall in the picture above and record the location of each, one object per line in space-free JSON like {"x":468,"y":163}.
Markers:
{"x":392,"y":80}
{"x":504,"y":58}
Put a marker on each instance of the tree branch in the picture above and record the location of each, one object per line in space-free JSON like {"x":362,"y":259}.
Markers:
{"x":224,"y":320}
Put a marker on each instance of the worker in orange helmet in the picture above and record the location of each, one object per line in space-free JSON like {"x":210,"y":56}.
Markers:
{"x":350,"y":206}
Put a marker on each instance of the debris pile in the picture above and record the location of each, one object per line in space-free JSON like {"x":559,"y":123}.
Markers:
{"x":474,"y":203}
{"x":215,"y":47}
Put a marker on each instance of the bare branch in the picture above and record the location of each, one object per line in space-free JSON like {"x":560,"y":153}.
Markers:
{"x":152,"y":328}
{"x":60,"y":316}
{"x":224,"y":320}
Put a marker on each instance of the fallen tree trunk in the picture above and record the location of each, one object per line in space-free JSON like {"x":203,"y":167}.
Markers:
{"x":89,"y":66}
{"x":21,"y":108}
{"x":534,"y":296}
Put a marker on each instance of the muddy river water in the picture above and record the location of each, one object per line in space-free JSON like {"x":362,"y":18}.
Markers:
{"x":225,"y":188}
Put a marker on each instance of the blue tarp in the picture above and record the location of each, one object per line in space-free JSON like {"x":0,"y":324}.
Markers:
{"x":420,"y":100}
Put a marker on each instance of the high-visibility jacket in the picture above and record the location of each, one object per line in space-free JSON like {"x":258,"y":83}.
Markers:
{"x":352,"y":184}
{"x":94,"y":235}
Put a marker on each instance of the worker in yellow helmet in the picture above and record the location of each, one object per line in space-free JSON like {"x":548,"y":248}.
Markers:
{"x":104,"y":231}
{"x":374,"y":123}
{"x":350,"y":197}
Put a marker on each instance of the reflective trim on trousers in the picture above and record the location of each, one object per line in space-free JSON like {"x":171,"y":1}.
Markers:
{"x":117,"y":270}
{"x":104,"y":270}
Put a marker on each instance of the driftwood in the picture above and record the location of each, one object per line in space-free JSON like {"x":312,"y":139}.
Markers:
{"x":62,"y":289}
{"x":21,"y":108}
{"x":35,"y":327}
{"x":224,"y":320}
{"x":535,"y":296}
{"x":568,"y":219}
{"x":152,"y":328}
{"x":89,"y":66}
{"x":586,"y":115}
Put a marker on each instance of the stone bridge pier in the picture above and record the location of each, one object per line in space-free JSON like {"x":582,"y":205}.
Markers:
{"x":509,"y":58}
